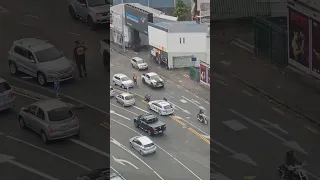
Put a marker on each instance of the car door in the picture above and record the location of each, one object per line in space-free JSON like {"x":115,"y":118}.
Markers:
{"x":39,"y":122}
{"x":134,"y":62}
{"x":32,"y":64}
{"x":148,"y":78}
{"x":120,"y":99}
{"x":118,"y":80}
{"x":31,"y":116}
{"x":135,"y":144}
{"x":21,"y":58}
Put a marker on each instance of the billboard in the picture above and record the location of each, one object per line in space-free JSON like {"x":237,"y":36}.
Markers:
{"x":137,"y":19}
{"x":299,"y":38}
{"x":316,"y":46}
{"x":204,"y":74}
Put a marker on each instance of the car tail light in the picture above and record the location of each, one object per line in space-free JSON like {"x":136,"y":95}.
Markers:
{"x":50,"y":130}
{"x":163,"y":110}
{"x":154,"y":129}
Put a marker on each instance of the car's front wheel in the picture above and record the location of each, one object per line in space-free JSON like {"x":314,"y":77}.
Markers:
{"x":44,"y":137}
{"x":22,"y":123}
{"x":41,"y":79}
{"x":13,"y":68}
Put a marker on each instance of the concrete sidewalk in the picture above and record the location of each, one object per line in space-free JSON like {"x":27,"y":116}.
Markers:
{"x":297,"y":92}
{"x":178,"y":76}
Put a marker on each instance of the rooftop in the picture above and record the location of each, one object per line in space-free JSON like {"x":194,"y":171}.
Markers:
{"x":144,"y":140}
{"x":182,"y":26}
{"x":50,"y":104}
{"x":34,"y":44}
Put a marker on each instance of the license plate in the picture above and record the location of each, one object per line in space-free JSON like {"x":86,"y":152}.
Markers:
{"x":64,"y":128}
{"x":160,"y":131}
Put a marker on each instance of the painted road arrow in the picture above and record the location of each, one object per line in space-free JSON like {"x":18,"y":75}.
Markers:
{"x":124,"y":162}
{"x":9,"y":159}
{"x":291,"y":144}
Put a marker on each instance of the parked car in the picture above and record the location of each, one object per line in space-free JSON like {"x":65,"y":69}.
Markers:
{"x":126,"y":99}
{"x":112,"y":92}
{"x":93,"y":12}
{"x":139,"y":63}
{"x":39,"y":59}
{"x":98,"y":174}
{"x":152,"y":79}
{"x":50,"y":118}
{"x":143,"y":145}
{"x":150,"y":124}
{"x":7,"y":96}
{"x":122,"y":80}
{"x":161,"y":107}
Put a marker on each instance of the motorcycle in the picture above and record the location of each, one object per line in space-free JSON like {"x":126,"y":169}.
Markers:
{"x":298,"y":172}
{"x":147,"y":98}
{"x":202,"y":118}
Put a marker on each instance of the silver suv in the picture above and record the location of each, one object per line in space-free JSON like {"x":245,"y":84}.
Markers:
{"x":91,"y":11}
{"x":39,"y":59}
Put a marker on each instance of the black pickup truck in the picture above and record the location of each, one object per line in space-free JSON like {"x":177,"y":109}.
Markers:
{"x":150,"y":124}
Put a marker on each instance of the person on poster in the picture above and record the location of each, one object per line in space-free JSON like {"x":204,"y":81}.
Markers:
{"x":317,"y":54}
{"x":297,"y":45}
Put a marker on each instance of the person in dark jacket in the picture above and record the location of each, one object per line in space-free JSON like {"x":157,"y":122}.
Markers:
{"x":79,"y":55}
{"x":291,"y":160}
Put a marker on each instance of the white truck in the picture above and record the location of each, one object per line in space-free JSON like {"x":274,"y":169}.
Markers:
{"x":152,"y":79}
{"x":105,"y":52}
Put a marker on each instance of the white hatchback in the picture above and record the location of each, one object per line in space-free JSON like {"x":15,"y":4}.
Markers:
{"x":143,"y":144}
{"x":122,"y":80}
{"x":139,"y":63}
{"x":126,"y":99}
{"x":162,"y":107}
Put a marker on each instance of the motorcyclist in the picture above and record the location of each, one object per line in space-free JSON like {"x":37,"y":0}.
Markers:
{"x":291,"y":161}
{"x":165,"y":99}
{"x":147,"y":97}
{"x":200,"y":114}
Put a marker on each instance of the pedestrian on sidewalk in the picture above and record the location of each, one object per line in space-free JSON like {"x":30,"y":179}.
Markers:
{"x":79,"y":55}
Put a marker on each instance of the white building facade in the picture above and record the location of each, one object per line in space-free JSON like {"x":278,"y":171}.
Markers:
{"x":178,"y":44}
{"x":204,"y":69}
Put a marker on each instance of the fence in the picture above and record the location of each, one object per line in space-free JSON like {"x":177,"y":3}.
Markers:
{"x":194,"y":74}
{"x":270,"y":41}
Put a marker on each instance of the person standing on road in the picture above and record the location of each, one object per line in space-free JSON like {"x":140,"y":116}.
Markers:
{"x":79,"y":55}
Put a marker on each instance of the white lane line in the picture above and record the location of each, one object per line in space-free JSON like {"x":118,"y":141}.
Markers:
{"x":72,"y":33}
{"x":312,"y":175}
{"x":190,"y":101}
{"x":117,"y":172}
{"x":31,"y":16}
{"x":168,"y":95}
{"x":184,"y":110}
{"x":247,"y":93}
{"x":26,"y":77}
{"x":49,"y":152}
{"x":158,"y":147}
{"x":123,"y":109}
{"x":311,"y":129}
{"x":223,"y":83}
{"x":3,"y":10}
{"x":113,"y":112}
{"x":30,"y":97}
{"x":195,"y":101}
{"x":90,"y":147}
{"x":278,"y":110}
{"x":140,"y":109}
{"x":26,"y":24}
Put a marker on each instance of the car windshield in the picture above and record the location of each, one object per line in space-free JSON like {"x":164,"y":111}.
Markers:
{"x":152,"y":120}
{"x":50,"y":54}
{"x":149,"y":145}
{"x":140,"y":61}
{"x":93,"y":3}
{"x":60,"y":114}
{"x":155,"y":77}
{"x":125,"y":79}
{"x":129,"y":97}
{"x":4,"y":86}
{"x":167,"y":107}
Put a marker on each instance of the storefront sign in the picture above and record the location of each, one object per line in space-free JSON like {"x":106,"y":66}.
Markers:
{"x":137,"y":19}
{"x":204,"y":74}
{"x":316,"y":46}
{"x":299,"y":38}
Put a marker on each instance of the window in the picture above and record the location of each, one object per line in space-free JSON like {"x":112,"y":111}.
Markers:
{"x":152,"y":120}
{"x":50,"y":54}
{"x":149,"y":145}
{"x":60,"y":114}
{"x":30,"y":56}
{"x":125,"y":79}
{"x":32,"y":109}
{"x":180,"y":40}
{"x":140,"y":61}
{"x":93,"y":3}
{"x":40,"y":114}
{"x":134,"y":60}
{"x":184,"y":41}
{"x":129,"y":97}
{"x":21,"y":51}
{"x":4,"y":87}
{"x":167,"y":107}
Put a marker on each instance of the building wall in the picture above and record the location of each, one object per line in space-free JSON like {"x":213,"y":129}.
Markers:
{"x":153,"y":3}
{"x":198,"y":56}
{"x":158,"y":38}
{"x":193,"y":42}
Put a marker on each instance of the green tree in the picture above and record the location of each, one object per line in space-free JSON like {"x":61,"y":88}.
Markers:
{"x":181,"y":11}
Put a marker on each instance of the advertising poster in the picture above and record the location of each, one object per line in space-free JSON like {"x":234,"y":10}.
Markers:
{"x":137,"y":19}
{"x":203,"y":73}
{"x":208,"y":69}
{"x":299,"y":38}
{"x":316,"y":46}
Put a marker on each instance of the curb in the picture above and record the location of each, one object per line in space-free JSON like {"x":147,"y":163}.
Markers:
{"x":40,"y":96}
{"x":298,"y":112}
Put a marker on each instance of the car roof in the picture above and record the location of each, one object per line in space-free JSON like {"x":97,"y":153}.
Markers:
{"x":33,"y":44}
{"x":148,"y":116}
{"x":126,"y":94}
{"x":120,"y":75}
{"x":50,"y":104}
{"x":137,"y":58}
{"x":2,"y":80}
{"x":144,"y":140}
{"x":152,"y":73}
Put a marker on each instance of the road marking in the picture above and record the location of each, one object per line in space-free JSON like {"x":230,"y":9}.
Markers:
{"x":30,"y":97}
{"x":199,"y":135}
{"x":169,"y":95}
{"x":134,"y":155}
{"x":122,"y":162}
{"x":3,"y":10}
{"x":190,"y":101}
{"x":26,"y":77}
{"x":275,"y":126}
{"x":26,"y":24}
{"x":235,"y":125}
{"x":31,"y":16}
{"x":90,"y":147}
{"x":72,"y":33}
{"x":183,"y":101}
{"x":311,"y":129}
{"x":105,"y":125}
{"x":291,"y":144}
{"x":117,"y":172}
{"x":178,"y":86}
{"x":9,"y":159}
{"x":178,"y":121}
{"x":247,"y":93}
{"x":123,"y":109}
{"x":184,"y":110}
{"x":159,"y":148}
{"x":195,"y":101}
{"x":140,"y":109}
{"x":223,"y":83}
{"x":113,"y":112}
{"x":249,"y":177}
{"x":278,"y":110}
{"x":47,"y":151}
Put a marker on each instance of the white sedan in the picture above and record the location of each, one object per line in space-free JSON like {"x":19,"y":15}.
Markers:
{"x":122,"y":80}
{"x":139,"y":63}
{"x":162,"y":107}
